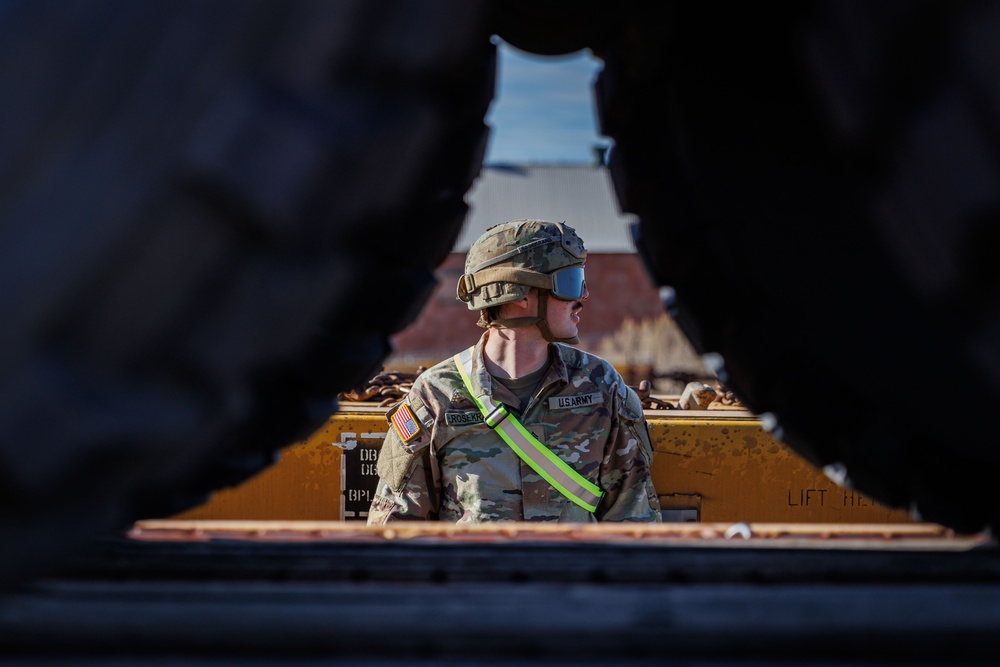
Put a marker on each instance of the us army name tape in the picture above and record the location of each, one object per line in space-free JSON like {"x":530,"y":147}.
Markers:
{"x":577,"y":401}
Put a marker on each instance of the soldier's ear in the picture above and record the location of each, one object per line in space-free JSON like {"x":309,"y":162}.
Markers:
{"x":521,"y":304}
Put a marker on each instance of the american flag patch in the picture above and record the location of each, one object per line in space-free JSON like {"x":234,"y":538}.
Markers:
{"x":404,"y":422}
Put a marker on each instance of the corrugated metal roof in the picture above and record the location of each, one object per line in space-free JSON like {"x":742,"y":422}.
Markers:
{"x":580,"y":195}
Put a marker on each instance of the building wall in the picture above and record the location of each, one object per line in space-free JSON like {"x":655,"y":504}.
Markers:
{"x":619,"y":289}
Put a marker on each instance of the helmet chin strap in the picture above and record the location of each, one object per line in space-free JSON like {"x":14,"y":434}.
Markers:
{"x":541,"y":321}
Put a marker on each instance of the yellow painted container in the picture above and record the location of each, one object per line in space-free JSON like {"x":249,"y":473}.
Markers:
{"x":323,"y":478}
{"x":716,"y":465}
{"x":721,"y":465}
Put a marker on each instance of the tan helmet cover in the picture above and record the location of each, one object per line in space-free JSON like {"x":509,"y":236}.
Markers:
{"x":510,"y":258}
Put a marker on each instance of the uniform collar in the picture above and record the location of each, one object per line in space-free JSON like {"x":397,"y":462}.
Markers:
{"x":483,"y":382}
{"x":558,"y":369}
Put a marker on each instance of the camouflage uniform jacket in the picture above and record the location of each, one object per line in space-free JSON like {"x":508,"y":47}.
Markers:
{"x":457,"y":469}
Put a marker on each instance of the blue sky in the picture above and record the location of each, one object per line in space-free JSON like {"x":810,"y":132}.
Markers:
{"x":543,"y":110}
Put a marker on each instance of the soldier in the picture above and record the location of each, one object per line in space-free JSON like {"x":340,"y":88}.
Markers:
{"x":520,"y":427}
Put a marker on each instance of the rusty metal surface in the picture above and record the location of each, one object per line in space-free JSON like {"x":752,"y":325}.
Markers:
{"x":309,"y":480}
{"x":306,"y":482}
{"x":390,"y":387}
{"x":713,"y":535}
{"x":727,"y":466}
{"x":385,"y":389}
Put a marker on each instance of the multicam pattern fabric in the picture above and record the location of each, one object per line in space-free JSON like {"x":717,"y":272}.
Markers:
{"x":459,"y":470}
{"x":530,"y":244}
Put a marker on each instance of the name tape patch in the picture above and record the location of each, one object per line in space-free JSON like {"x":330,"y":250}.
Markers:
{"x":576,"y":401}
{"x":463,"y":418}
{"x":405,"y":423}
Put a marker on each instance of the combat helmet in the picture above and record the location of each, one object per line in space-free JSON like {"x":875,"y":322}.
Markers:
{"x":512,"y":257}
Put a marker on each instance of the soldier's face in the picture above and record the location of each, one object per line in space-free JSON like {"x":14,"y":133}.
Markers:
{"x":564,"y":316}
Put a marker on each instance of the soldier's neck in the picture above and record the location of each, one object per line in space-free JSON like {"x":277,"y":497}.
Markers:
{"x":514,"y":353}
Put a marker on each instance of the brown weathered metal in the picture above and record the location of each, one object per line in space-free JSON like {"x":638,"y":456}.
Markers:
{"x":912,"y":536}
{"x":385,"y":388}
{"x":721,"y":465}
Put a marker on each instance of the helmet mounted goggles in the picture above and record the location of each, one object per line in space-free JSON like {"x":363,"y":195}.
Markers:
{"x":566,"y":284}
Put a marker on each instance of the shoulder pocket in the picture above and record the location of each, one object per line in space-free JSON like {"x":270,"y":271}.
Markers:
{"x":403,"y":444}
{"x":396,"y":461}
{"x":631,"y":404}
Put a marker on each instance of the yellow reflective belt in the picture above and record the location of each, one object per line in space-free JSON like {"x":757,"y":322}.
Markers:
{"x":542,"y":460}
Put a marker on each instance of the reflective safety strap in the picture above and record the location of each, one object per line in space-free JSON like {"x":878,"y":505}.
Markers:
{"x":542,"y":460}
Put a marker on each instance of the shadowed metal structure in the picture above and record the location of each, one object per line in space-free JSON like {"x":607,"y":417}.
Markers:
{"x":213,"y":215}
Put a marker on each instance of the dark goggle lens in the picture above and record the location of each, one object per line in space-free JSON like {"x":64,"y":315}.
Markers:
{"x":568,"y":284}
